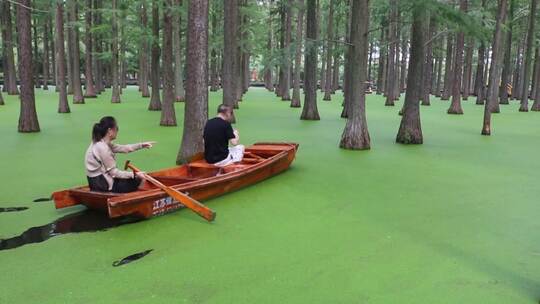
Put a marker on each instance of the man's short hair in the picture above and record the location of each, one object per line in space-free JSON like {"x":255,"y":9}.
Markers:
{"x":223,"y":108}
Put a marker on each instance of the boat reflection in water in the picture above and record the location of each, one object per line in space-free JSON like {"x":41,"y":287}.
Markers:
{"x":84,"y":221}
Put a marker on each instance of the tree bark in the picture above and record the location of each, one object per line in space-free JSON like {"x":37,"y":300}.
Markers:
{"x":381,"y":69}
{"x":75,"y":64}
{"x":428,"y":64}
{"x":285,"y":92}
{"x":329,"y":52}
{"x":46,"y":25}
{"x":507,"y":65}
{"x":63,"y":105}
{"x":403,"y":69}
{"x":178,"y":53}
{"x":455,"y":105}
{"x":230,"y":49}
{"x":168,"y":117}
{"x":28,"y":120}
{"x":448,"y":64}
{"x":479,"y":83}
{"x":115,"y":98}
{"x":143,"y":54}
{"x":295,"y":102}
{"x":467,"y":70}
{"x":89,"y":77}
{"x":310,"y":112}
{"x":495,"y":68}
{"x":155,"y":102}
{"x":410,"y":129}
{"x":524,"y":106}
{"x":196,"y":112}
{"x":10,"y":81}
{"x":214,"y":77}
{"x":356,"y":135}
{"x":392,"y":47}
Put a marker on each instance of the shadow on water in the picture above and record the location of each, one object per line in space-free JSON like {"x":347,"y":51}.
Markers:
{"x":13,"y":209}
{"x":131,"y":258}
{"x":84,"y":221}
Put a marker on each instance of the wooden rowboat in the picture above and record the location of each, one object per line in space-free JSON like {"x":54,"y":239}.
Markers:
{"x":198,"y":179}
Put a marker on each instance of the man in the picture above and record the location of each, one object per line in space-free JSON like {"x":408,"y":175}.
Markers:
{"x":218,"y":133}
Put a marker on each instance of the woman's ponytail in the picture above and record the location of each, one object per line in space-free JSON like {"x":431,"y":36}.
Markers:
{"x":100,"y":129}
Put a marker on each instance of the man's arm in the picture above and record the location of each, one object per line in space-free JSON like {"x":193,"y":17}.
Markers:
{"x":236,"y":140}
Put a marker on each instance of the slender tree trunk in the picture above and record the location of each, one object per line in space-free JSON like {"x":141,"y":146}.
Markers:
{"x":63,"y":106}
{"x":230,"y":49}
{"x":98,"y":5}
{"x":438,"y":88}
{"x":155,"y":102}
{"x":115,"y":64}
{"x":70,"y":51}
{"x":448,"y":64}
{"x":28,"y":120}
{"x":507,"y":65}
{"x":295,"y":102}
{"x":214,"y":78}
{"x":356,"y":135}
{"x":122,"y":56}
{"x":168,"y":117}
{"x":346,"y":78}
{"x":7,"y":38}
{"x":535,"y":72}
{"x":518,"y":72}
{"x":143,"y":60}
{"x":52,"y":50}
{"x":46,"y":24}
{"x":524,"y":107}
{"x":329,"y":52}
{"x":392,"y":47}
{"x":455,"y":105}
{"x":467,"y":70}
{"x":268,"y":79}
{"x":196,"y":112}
{"x":285,"y":92}
{"x":76,"y":69}
{"x":495,"y":68}
{"x":310,"y":112}
{"x":479,"y":83}
{"x":1,"y":99}
{"x":177,"y":40}
{"x":335,"y":73}
{"x":35,"y":53}
{"x":428,"y":64}
{"x":403,"y":69}
{"x":370,"y":62}
{"x":410,"y":129}
{"x":89,"y":77}
{"x":381,"y":69}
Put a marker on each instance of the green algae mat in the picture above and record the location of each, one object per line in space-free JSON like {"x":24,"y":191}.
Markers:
{"x":454,"y":220}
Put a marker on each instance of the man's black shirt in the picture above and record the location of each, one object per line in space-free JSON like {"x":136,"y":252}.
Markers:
{"x":217,"y":133}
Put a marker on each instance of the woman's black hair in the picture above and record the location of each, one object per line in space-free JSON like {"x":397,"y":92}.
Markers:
{"x":100,"y":129}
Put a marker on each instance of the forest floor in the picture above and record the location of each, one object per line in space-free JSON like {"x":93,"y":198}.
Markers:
{"x":455,"y":220}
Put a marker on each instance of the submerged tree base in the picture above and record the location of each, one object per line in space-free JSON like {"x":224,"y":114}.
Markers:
{"x":457,"y":110}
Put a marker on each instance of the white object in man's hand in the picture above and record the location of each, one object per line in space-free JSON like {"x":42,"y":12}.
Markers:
{"x":236,"y":133}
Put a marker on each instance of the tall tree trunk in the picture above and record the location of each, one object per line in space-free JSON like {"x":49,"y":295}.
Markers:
{"x":310,"y":112}
{"x":196,"y":112}
{"x":76,"y":69}
{"x":8,"y":43}
{"x":143,"y":60}
{"x":335,"y":73}
{"x":346,"y":79}
{"x":438,"y":88}
{"x":467,"y":69}
{"x":52,"y":50}
{"x":115,"y":98}
{"x":295,"y":102}
{"x":28,"y":120}
{"x":329,"y":54}
{"x":479,"y":82}
{"x":455,"y":105}
{"x":63,"y":105}
{"x":518,"y":72}
{"x":495,"y":68}
{"x":47,"y":24}
{"x":285,"y":92}
{"x":122,"y":56}
{"x":535,"y":72}
{"x":370,"y":62}
{"x":428,"y":64}
{"x":381,"y":69}
{"x":410,"y":129}
{"x":392,"y":47}
{"x":70,"y":44}
{"x":448,"y":65}
{"x":230,"y":49}
{"x":89,"y":76}
{"x":155,"y":102}
{"x":356,"y":135}
{"x":168,"y":117}
{"x":214,"y":77}
{"x":507,"y":65}
{"x":403,"y":69}
{"x":177,"y":40}
{"x":268,"y":78}
{"x":35,"y":53}
{"x":524,"y":106}
{"x":322,"y":76}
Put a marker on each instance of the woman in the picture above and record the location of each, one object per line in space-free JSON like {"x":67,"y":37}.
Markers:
{"x":101,"y":170}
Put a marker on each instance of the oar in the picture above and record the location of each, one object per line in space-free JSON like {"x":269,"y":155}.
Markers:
{"x":187,"y":201}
